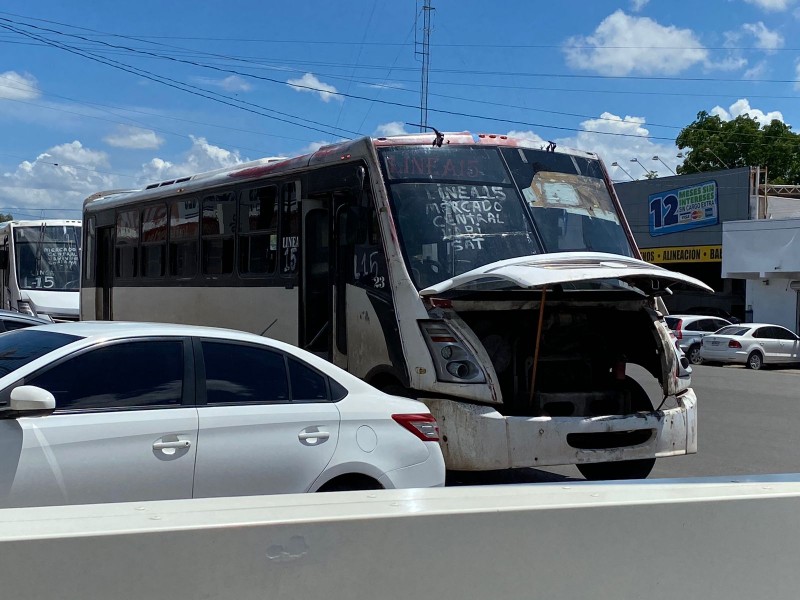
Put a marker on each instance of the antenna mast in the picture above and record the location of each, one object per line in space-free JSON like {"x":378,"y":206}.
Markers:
{"x":426,"y":56}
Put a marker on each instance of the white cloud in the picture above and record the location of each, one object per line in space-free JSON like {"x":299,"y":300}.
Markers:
{"x":742,"y":107}
{"x":629,"y":140}
{"x":133,"y":137}
{"x":528,"y":136}
{"x":310,"y":83}
{"x":200,"y":158}
{"x":232,"y":83}
{"x":797,"y":75}
{"x":390,"y":129}
{"x":637,"y":5}
{"x":756,"y":71}
{"x":624,"y":44}
{"x":62,"y":177}
{"x":766,"y":39}
{"x":772,"y":5}
{"x":18,"y":86}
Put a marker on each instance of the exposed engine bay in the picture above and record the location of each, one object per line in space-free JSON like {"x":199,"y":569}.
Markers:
{"x":579,"y":369}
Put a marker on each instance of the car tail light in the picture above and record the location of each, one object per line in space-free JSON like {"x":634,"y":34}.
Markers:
{"x":678,"y":332}
{"x":422,"y":426}
{"x":734,"y":344}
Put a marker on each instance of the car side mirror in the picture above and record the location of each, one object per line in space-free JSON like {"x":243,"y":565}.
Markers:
{"x":31,"y":401}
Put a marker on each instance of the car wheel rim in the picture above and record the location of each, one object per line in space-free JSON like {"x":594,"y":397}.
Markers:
{"x":694,"y":356}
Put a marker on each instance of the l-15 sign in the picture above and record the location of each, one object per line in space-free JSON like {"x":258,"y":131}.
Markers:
{"x":684,"y":208}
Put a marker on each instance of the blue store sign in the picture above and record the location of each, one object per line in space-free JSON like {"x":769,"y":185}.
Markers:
{"x":684,"y":208}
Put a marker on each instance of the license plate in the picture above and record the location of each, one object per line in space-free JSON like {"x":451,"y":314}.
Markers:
{"x":715,"y":343}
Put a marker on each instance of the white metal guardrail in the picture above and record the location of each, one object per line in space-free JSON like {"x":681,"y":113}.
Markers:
{"x":700,"y":538}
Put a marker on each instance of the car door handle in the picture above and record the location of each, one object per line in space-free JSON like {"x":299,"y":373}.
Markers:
{"x":310,"y":435}
{"x":176,"y":444}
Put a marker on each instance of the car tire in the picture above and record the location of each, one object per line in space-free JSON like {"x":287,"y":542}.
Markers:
{"x":624,"y":469}
{"x":755,"y":361}
{"x":694,"y":355}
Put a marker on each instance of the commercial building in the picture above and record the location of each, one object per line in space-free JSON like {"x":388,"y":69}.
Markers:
{"x":729,"y":229}
{"x":678,"y":223}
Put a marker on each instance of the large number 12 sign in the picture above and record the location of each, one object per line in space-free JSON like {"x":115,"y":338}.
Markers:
{"x":684,"y":208}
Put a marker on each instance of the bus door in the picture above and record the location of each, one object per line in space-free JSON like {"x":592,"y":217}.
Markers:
{"x":105,"y":273}
{"x":316,"y":293}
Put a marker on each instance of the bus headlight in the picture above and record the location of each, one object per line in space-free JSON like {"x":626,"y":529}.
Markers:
{"x":452,"y":359}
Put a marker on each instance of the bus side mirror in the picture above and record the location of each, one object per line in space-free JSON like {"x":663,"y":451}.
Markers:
{"x":4,"y":259}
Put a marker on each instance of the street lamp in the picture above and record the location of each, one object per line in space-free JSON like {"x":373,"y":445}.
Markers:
{"x":691,"y":164}
{"x":616,"y":164}
{"x":636,"y":160}
{"x":665,"y":164}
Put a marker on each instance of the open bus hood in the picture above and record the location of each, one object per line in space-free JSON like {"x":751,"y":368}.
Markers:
{"x":540,"y":270}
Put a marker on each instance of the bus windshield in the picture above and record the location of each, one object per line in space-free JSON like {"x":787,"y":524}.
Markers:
{"x":458,"y":208}
{"x":47,"y":257}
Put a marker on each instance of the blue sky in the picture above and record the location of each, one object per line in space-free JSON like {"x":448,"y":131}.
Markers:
{"x":109,"y":95}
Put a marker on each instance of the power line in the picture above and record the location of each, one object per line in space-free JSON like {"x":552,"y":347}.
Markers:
{"x":174,"y":83}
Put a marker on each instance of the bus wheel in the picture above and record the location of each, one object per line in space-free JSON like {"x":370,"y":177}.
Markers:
{"x":624,"y":469}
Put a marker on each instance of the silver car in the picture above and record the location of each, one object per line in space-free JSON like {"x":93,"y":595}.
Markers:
{"x":752,"y":344}
{"x":689,"y":330}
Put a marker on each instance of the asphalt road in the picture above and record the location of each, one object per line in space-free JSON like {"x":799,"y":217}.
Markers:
{"x":748,"y":424}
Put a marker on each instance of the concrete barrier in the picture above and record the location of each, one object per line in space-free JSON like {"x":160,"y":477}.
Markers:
{"x":676,"y":539}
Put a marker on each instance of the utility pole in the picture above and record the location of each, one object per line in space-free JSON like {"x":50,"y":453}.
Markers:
{"x":426,"y":57}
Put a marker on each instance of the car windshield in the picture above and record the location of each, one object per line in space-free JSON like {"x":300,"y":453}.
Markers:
{"x":20,"y":347}
{"x":47,"y":257}
{"x":458,"y":208}
{"x":733,"y":330}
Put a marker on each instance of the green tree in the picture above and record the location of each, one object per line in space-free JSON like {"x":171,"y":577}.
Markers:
{"x":741,"y":142}
{"x":6,"y":217}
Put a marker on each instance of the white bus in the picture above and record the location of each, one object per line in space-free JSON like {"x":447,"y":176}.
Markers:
{"x":40,"y":268}
{"x":496,"y":281}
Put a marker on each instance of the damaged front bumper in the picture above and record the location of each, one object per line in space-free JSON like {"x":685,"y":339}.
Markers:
{"x":479,"y":438}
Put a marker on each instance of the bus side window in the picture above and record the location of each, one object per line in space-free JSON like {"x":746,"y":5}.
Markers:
{"x":258,"y":231}
{"x":219,"y":223}
{"x":126,"y":253}
{"x":154,"y":240}
{"x":290,"y":230}
{"x":184,"y":224}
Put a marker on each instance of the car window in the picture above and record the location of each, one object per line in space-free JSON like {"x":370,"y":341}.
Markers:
{"x":763,"y":333}
{"x":12,"y":324}
{"x":307,"y":384}
{"x":716,"y":324}
{"x":708,"y":325}
{"x":672,"y":322}
{"x":784,"y":334}
{"x":237,"y":373}
{"x":144,"y":373}
{"x":694,"y":326}
{"x":733,"y":330}
{"x":18,"y":348}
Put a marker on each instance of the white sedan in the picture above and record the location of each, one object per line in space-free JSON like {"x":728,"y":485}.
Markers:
{"x":115,"y":412}
{"x":751,"y":344}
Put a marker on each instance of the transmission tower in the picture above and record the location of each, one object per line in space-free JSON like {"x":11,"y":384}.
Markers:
{"x":426,"y":57}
